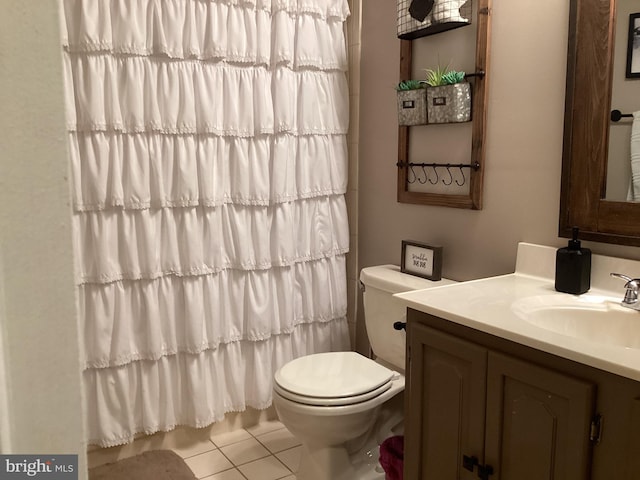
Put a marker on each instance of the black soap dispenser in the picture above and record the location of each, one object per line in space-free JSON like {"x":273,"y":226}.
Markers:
{"x":573,"y":267}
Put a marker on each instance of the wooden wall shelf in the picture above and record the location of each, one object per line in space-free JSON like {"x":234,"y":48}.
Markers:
{"x":473,"y":200}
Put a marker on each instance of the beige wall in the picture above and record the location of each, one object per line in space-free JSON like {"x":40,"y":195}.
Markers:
{"x":523,"y":155}
{"x":42,"y":406}
{"x":523,"y":149}
{"x":354,"y":46}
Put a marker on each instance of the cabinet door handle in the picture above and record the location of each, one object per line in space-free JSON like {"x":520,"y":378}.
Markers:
{"x":484,"y":471}
{"x":400,"y":325}
{"x":469,"y":463}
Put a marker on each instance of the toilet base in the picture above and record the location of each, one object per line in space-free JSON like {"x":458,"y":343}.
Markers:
{"x":325,"y":463}
{"x":357,"y":459}
{"x":335,"y":463}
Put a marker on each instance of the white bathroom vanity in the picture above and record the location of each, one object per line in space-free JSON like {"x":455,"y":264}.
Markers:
{"x":509,"y":379}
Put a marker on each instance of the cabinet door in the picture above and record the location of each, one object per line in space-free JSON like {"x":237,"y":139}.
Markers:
{"x":633,"y":448}
{"x":445,"y":404}
{"x":538,"y":422}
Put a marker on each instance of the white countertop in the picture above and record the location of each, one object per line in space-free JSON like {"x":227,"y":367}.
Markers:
{"x":487,"y":304}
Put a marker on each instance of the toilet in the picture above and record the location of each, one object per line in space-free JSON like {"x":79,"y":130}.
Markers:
{"x":341,"y":405}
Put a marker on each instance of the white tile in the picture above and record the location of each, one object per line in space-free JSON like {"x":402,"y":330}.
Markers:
{"x":244,"y":451}
{"x":269,"y":468}
{"x":265,"y":427}
{"x":291,"y":457}
{"x":191,"y":450}
{"x":228,"y":438}
{"x":233,"y":474}
{"x":208,"y":463}
{"x":278,"y":440}
{"x":188,"y":442}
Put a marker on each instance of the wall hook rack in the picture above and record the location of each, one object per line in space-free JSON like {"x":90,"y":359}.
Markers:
{"x":424,"y":176}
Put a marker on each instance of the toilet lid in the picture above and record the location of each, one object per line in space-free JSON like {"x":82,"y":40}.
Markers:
{"x":332,"y":375}
{"x":331,"y":402}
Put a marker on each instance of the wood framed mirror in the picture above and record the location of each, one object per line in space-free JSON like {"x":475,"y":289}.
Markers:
{"x":471,"y":198}
{"x":590,"y":71}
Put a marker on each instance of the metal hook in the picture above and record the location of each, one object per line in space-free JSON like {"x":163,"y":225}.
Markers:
{"x":437,"y":175}
{"x":450,"y":176}
{"x":464,"y":179}
{"x":413,"y":173}
{"x":426,"y":176}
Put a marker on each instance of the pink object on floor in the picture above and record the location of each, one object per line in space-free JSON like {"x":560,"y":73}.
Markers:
{"x":392,"y":457}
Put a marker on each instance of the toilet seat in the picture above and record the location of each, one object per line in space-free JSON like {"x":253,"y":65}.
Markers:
{"x":332,"y":379}
{"x":397,"y":385}
{"x":329,"y":401}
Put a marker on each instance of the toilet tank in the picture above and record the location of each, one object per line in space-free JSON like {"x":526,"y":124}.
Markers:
{"x":382,"y":310}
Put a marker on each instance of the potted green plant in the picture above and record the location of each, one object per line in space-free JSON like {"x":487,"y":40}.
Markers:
{"x":412,"y":102}
{"x":448,"y":96}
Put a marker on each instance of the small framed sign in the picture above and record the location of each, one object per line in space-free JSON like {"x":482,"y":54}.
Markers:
{"x":421,"y":260}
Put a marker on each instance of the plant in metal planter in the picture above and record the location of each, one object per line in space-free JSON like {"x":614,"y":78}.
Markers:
{"x":448,"y":96}
{"x":412,"y":102}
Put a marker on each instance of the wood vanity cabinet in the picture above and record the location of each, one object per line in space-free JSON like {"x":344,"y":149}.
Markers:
{"x":478,"y":406}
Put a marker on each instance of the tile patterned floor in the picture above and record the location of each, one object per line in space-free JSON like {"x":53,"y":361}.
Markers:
{"x":265,"y":451}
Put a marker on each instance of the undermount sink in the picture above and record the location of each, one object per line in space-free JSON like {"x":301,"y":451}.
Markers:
{"x":591,"y":317}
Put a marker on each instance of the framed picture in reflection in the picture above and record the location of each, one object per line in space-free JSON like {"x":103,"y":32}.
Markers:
{"x":633,"y":48}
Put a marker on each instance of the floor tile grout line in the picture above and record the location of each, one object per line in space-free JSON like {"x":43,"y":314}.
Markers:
{"x":243,"y":439}
{"x":286,"y":450}
{"x":222,"y":471}
{"x":230,"y":461}
{"x":233,"y":465}
{"x":257,"y":427}
{"x":252,"y":460}
{"x":279,"y":451}
{"x":290,"y":472}
{"x":287,"y":475}
{"x":285,"y":465}
{"x":267,"y":448}
{"x":234,"y":442}
{"x":236,"y":465}
{"x":270,"y":453}
{"x":257,"y":437}
{"x":196,"y":454}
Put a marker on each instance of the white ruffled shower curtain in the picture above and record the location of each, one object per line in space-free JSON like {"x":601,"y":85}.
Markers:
{"x":209,"y":162}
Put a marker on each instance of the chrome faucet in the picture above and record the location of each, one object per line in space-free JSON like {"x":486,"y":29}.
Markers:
{"x":630,"y":299}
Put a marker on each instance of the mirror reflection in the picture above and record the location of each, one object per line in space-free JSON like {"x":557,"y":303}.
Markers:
{"x":625,"y":97}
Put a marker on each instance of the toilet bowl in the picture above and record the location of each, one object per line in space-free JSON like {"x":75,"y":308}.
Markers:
{"x":327,"y":400}
{"x":340,"y":405}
